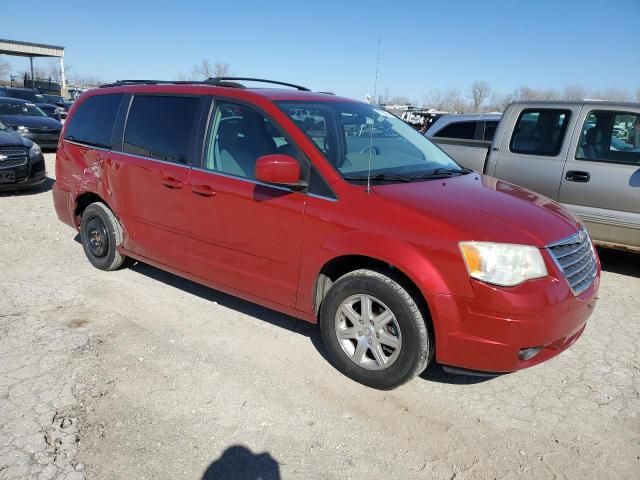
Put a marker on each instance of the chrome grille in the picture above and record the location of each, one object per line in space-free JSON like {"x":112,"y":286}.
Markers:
{"x":12,"y":157}
{"x":41,"y":131}
{"x":577,"y":260}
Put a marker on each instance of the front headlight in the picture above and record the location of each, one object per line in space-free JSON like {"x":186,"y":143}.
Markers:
{"x":21,"y":129}
{"x":35,"y":152}
{"x":502,"y":264}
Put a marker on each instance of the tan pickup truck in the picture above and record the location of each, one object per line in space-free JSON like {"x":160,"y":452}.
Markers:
{"x":585,"y":155}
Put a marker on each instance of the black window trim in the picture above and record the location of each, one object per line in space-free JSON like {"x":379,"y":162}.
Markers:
{"x":204,"y":138}
{"x":563,"y":132}
{"x":113,"y":131}
{"x":617,"y":162}
{"x":475,"y":131}
{"x":192,"y":158}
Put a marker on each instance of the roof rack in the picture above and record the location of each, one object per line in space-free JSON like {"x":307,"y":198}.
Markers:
{"x":223,"y":81}
{"x":217,"y":81}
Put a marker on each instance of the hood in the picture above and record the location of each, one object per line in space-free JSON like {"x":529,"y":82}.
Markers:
{"x":29,"y":121}
{"x":13,"y":139}
{"x":487,"y":209}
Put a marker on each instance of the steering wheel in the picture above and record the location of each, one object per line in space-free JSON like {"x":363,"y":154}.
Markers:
{"x":375,"y":150}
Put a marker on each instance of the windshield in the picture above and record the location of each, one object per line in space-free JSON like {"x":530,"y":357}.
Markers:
{"x":26,"y":109}
{"x":351,"y":135}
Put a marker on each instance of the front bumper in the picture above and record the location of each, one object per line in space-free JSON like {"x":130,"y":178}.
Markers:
{"x":44,"y":140}
{"x":489,"y":332}
{"x":30,"y":175}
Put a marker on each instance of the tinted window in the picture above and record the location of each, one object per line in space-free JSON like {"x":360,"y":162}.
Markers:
{"x":610,"y":137}
{"x":239,"y":136}
{"x":540,"y":132}
{"x":92,"y":123}
{"x":161,"y":127}
{"x":490,"y":131}
{"x":463,"y":130}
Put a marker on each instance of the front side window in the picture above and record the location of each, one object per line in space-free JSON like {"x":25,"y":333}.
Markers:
{"x":461,"y":130}
{"x":161,"y":127}
{"x":540,"y":132}
{"x":238,"y":136}
{"x":92,"y":123}
{"x":354,"y":137}
{"x":609,"y":136}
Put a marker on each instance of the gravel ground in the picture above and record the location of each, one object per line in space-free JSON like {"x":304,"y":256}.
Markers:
{"x":140,"y":374}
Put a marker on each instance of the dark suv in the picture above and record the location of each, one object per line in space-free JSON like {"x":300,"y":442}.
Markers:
{"x":331,"y":210}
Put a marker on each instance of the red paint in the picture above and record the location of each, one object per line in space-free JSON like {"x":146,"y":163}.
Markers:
{"x":278,"y":169}
{"x":268,"y":245}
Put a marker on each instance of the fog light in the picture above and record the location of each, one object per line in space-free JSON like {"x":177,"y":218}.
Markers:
{"x":528,"y":353}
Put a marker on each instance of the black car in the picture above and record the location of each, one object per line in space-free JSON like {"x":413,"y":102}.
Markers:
{"x":21,"y":161}
{"x":34,"y":97}
{"x":59,"y":101}
{"x":30,"y":121}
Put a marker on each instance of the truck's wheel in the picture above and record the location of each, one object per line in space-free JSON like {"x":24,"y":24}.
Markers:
{"x":101,"y":233}
{"x":373,"y":330}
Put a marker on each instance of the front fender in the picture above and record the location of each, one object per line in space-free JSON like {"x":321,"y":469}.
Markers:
{"x":408,"y":258}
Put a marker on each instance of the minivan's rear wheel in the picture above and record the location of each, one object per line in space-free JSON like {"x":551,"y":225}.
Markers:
{"x":101,"y":233}
{"x":373,"y":330}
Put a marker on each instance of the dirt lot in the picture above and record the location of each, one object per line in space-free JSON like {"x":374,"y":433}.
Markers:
{"x":140,"y":374}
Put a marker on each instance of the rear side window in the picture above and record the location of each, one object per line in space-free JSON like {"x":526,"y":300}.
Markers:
{"x":161,"y":127}
{"x":92,"y":123}
{"x":490,"y":130}
{"x":609,"y":136}
{"x":540,"y":132}
{"x":462,"y":130}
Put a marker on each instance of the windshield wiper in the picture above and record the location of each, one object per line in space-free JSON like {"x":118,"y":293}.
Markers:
{"x":384,"y":177}
{"x":441,"y":173}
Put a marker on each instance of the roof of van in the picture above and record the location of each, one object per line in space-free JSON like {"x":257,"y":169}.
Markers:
{"x":300,"y":94}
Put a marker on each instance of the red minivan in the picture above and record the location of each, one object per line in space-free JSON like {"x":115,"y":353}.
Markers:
{"x":330,"y":210}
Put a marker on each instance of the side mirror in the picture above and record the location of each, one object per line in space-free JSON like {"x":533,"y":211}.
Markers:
{"x":278,"y":169}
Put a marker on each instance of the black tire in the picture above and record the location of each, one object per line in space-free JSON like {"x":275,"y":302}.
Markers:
{"x":101,"y":234}
{"x":414,"y":354}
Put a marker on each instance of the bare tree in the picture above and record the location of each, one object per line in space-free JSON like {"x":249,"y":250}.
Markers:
{"x":498,"y":102}
{"x":450,"y":100}
{"x":574,"y":93}
{"x":480,"y":91}
{"x":5,"y":69}
{"x":612,"y":94}
{"x":221,"y":70}
{"x":205,"y":70}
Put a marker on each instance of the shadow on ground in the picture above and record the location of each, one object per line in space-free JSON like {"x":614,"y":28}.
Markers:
{"x":435,"y":372}
{"x":239,"y":463}
{"x":619,"y":261}
{"x":42,"y":188}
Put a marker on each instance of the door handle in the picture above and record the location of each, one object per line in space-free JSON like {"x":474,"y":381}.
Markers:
{"x":203,"y":190}
{"x":577,"y":176}
{"x":172,"y":183}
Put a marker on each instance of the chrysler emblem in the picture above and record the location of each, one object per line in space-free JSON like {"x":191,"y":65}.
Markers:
{"x":581,"y":236}
{"x":3,"y":158}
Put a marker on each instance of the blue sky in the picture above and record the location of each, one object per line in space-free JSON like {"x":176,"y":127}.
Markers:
{"x":331,"y":45}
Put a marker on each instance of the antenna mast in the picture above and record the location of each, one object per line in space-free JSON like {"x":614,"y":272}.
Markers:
{"x":375,"y":87}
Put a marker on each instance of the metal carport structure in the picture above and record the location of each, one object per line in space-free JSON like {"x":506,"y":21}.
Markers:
{"x":31,"y":50}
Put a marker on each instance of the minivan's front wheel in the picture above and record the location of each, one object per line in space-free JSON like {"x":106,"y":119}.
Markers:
{"x":101,"y":233}
{"x":373,"y":330}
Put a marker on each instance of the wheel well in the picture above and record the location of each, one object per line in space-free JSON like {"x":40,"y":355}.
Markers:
{"x":83,"y":201}
{"x":340,"y":266}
